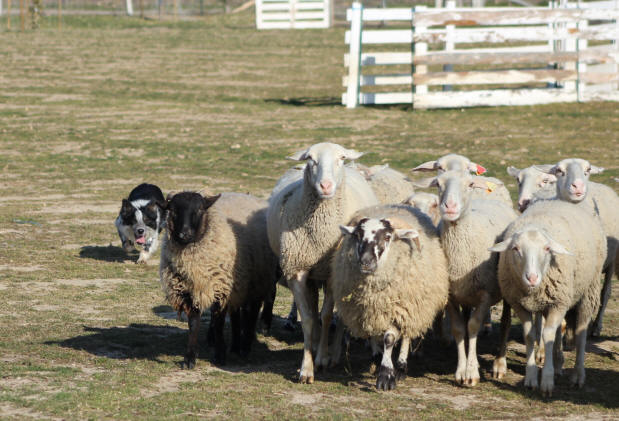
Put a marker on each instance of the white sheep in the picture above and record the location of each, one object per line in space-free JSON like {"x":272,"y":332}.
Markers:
{"x":495,"y":189}
{"x":303,"y":226}
{"x":389,"y":185}
{"x":533,"y":184}
{"x":550,"y":262}
{"x":468,"y":227}
{"x":389,"y":280}
{"x":215,"y":253}
{"x":573,"y":186}
{"x":426,"y":203}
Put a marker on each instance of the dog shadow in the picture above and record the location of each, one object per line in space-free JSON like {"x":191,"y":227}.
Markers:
{"x":107,"y":253}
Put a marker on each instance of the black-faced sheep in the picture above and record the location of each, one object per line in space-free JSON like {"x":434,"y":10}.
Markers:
{"x":215,"y":253}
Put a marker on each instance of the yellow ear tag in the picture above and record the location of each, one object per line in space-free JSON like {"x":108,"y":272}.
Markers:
{"x":490,"y":186}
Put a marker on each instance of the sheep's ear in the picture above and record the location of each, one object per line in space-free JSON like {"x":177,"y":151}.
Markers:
{"x":424,"y":183}
{"x":596,"y":170}
{"x":408,"y":201}
{"x":408,"y":234}
{"x":557,"y":248}
{"x":347,"y":230}
{"x":350,"y":154}
{"x":170,"y":196}
{"x":300,"y":155}
{"x":210,"y":201}
{"x":427,"y":166}
{"x":550,"y":178}
{"x":502,"y":246}
{"x":547,"y":168}
{"x":513,"y":171}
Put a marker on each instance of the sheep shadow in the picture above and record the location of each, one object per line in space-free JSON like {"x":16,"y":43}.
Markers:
{"x":326,"y":101}
{"x":112,"y":254}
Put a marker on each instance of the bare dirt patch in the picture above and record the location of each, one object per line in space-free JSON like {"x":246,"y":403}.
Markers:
{"x":103,"y":284}
{"x":9,"y":411}
{"x":33,"y":268}
{"x":79,"y":207}
{"x":171,"y":382}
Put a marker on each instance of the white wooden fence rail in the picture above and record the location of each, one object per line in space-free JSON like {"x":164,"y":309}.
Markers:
{"x":483,"y":56}
{"x":287,"y":14}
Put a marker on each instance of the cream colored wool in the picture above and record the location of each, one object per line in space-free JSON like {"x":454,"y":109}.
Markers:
{"x":389,"y":185}
{"x":570,"y":279}
{"x":498,"y":190}
{"x":471,"y":267}
{"x":406,"y":291}
{"x":303,"y":230}
{"x":231,"y":263}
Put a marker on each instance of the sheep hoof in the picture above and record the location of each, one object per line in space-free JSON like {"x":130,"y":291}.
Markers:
{"x":472,"y":382}
{"x":401,"y":369}
{"x":386,"y":379}
{"x":188,"y":363}
{"x":539,"y":359}
{"x":499,"y":368}
{"x":306,"y":379}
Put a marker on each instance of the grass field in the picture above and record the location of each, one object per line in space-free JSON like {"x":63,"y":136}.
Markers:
{"x":88,"y":113}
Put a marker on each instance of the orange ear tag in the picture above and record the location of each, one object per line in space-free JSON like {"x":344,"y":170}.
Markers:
{"x":490,"y":186}
{"x":480,"y":170}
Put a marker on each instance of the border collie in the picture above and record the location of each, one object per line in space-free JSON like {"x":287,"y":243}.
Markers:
{"x":141,"y":220}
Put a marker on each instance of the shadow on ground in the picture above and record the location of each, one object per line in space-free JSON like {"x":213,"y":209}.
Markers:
{"x":307,"y":101}
{"x":106,"y":253}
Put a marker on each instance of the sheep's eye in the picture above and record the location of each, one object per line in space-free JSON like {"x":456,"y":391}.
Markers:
{"x":587,"y":171}
{"x":547,"y":249}
{"x":560,"y":171}
{"x":516,"y":249}
{"x":544,"y":181}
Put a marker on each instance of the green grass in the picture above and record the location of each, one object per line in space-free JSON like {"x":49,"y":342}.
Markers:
{"x":89,"y":112}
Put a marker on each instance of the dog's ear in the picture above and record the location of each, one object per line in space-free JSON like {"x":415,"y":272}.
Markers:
{"x":170,"y":196}
{"x":209,"y":201}
{"x":126,"y":209}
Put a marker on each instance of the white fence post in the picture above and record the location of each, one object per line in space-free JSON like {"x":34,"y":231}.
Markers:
{"x":130,"y":7}
{"x":418,"y":48}
{"x":354,"y":63}
{"x":581,"y":66}
{"x":450,"y":42}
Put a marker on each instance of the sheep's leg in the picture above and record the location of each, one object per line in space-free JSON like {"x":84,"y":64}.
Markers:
{"x":582,"y":322}
{"x":302,"y":296}
{"x":539,"y":324}
{"x":316,"y":318}
{"x":235,"y":325}
{"x":499,"y":368}
{"x":552,"y":323}
{"x":249,"y":319}
{"x":386,"y":376}
{"x":336,"y":350}
{"x":218,"y":318}
{"x":474,"y":324}
{"x":401,"y":365}
{"x":376,"y":355}
{"x":530,"y":379}
{"x":193,"y":317}
{"x":457,"y":330}
{"x":557,"y":352}
{"x":291,"y":319}
{"x":267,"y":310}
{"x":596,"y":327}
{"x":487,"y":325}
{"x":322,"y":356}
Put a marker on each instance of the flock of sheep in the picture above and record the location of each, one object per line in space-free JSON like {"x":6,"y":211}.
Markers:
{"x":392,"y":260}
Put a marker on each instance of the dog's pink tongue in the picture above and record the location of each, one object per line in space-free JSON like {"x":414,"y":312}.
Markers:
{"x":140,"y":240}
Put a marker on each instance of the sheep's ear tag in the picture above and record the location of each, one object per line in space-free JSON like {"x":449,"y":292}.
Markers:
{"x":490,"y":186}
{"x":480,"y":170}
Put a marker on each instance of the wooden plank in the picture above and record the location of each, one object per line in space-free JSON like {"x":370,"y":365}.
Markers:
{"x":498,"y":35}
{"x":308,"y":24}
{"x":272,"y":17}
{"x":601,"y":96}
{"x":385,"y":36}
{"x":379,"y":15}
{"x":489,"y":98}
{"x":508,"y":16}
{"x":496,"y":58}
{"x":382,"y":59}
{"x":596,"y":78}
{"x":495,"y":77}
{"x":382,"y":80}
{"x":288,"y":6}
{"x":383,"y":98}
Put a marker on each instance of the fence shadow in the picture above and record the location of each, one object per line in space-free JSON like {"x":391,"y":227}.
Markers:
{"x":307,"y":101}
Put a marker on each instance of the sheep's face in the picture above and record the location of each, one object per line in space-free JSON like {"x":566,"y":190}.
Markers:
{"x":454,"y":191}
{"x":324,"y":171}
{"x":530,"y":181}
{"x":425,"y":202}
{"x":187,"y":222}
{"x":451,"y":162}
{"x":531,"y":252}
{"x":372,"y":238}
{"x":572,"y":177}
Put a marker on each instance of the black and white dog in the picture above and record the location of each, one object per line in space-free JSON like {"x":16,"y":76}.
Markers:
{"x":141,"y":220}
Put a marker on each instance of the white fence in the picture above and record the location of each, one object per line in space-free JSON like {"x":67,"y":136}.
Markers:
{"x":482,"y":57}
{"x":287,"y":14}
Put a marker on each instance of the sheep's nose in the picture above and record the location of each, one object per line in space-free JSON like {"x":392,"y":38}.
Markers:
{"x":523,"y":204}
{"x":450,"y":205}
{"x":578,"y":186}
{"x":532,"y":278}
{"x":326,"y":186}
